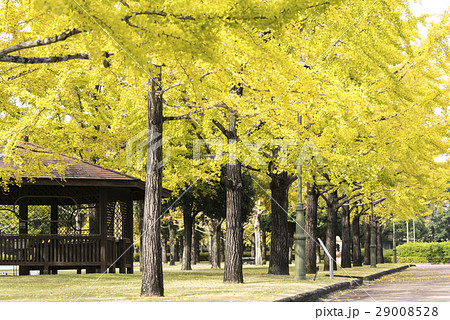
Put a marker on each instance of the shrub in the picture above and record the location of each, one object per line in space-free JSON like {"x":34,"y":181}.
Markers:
{"x":203,"y":256}
{"x":136,"y":257}
{"x":412,"y":260}
{"x":446,"y":251}
{"x":423,"y":252}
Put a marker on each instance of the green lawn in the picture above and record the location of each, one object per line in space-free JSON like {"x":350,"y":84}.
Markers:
{"x":200,"y":284}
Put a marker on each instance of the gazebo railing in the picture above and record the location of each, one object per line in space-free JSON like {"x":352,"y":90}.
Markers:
{"x":49,"y":250}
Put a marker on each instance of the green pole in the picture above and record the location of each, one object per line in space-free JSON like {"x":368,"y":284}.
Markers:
{"x":373,"y":244}
{"x":394,"y":246}
{"x":299,"y":236}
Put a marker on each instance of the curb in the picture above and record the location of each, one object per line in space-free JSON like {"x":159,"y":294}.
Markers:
{"x":314,"y":295}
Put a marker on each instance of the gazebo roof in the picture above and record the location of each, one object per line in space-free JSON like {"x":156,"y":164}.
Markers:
{"x":79,"y":172}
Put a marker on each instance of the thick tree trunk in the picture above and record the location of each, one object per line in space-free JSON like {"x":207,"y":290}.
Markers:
{"x":187,"y":241}
{"x":357,"y":257}
{"x":210,"y":242}
{"x":215,"y":243}
{"x":140,"y":209}
{"x":332,"y":208}
{"x":252,"y":246}
{"x":172,"y":243}
{"x":164,"y":250}
{"x":234,"y":233}
{"x":380,"y":258}
{"x":279,"y":244}
{"x":258,"y":244}
{"x":346,"y":261}
{"x":263,"y":246}
{"x":222,"y":246}
{"x":181,"y":249}
{"x":367,"y":243}
{"x":193,"y":245}
{"x":177,"y":249}
{"x":152,"y":275}
{"x":312,"y":199}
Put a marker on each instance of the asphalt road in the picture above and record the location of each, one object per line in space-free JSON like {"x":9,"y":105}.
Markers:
{"x":423,"y":283}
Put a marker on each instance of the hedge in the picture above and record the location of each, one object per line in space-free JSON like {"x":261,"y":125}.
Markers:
{"x":424,"y":252}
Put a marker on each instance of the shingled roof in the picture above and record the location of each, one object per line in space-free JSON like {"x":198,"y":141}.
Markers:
{"x":79,"y":172}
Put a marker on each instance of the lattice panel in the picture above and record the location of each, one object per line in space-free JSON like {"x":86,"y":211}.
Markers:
{"x":73,"y":220}
{"x":126,"y":220}
{"x":9,"y":219}
{"x":118,"y":220}
{"x":110,"y":212}
{"x":39,"y":219}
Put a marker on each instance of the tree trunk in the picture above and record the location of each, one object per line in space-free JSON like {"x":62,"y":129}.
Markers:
{"x":215,"y":243}
{"x":172,"y":243}
{"x":222,"y":246}
{"x":357,"y":257}
{"x":380,"y":258}
{"x":258,"y":244}
{"x":332,"y":208}
{"x":152,"y":275}
{"x":312,"y":199}
{"x":263,"y":246}
{"x":193,"y":245}
{"x":177,"y":249}
{"x":234,"y":233}
{"x":210,"y":231}
{"x":279,"y":244}
{"x":291,"y":244}
{"x":140,"y":209}
{"x":164,"y":250}
{"x":187,"y":242}
{"x":367,"y":243}
{"x":252,"y":246}
{"x":346,"y":261}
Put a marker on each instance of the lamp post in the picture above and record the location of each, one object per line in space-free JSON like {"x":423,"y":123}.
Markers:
{"x":373,"y":245}
{"x":299,"y":236}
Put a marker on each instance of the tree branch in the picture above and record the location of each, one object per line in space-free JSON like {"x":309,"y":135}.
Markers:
{"x":25,"y":60}
{"x":21,"y":74}
{"x":184,"y":116}
{"x":225,"y":132}
{"x":37,"y":43}
{"x":256,"y":127}
{"x":206,"y":74}
{"x":171,"y":87}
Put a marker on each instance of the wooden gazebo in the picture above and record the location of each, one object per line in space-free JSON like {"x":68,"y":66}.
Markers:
{"x":84,"y":221}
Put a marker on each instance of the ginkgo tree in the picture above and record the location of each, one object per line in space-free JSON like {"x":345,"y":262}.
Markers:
{"x":187,"y":40}
{"x":102,"y":67}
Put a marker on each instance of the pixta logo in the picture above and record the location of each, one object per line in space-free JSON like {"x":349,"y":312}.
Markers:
{"x":138,"y":146}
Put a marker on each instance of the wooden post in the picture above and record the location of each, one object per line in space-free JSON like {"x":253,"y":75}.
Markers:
{"x":129,"y":234}
{"x":103,"y":228}
{"x":23,"y":229}
{"x":54,"y":218}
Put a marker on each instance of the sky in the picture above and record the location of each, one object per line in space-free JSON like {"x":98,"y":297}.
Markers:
{"x":432,"y":7}
{"x":429,"y":6}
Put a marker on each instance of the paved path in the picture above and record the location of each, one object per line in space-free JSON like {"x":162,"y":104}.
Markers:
{"x":426,"y":283}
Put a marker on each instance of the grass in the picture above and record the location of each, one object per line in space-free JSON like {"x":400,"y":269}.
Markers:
{"x":200,"y":284}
